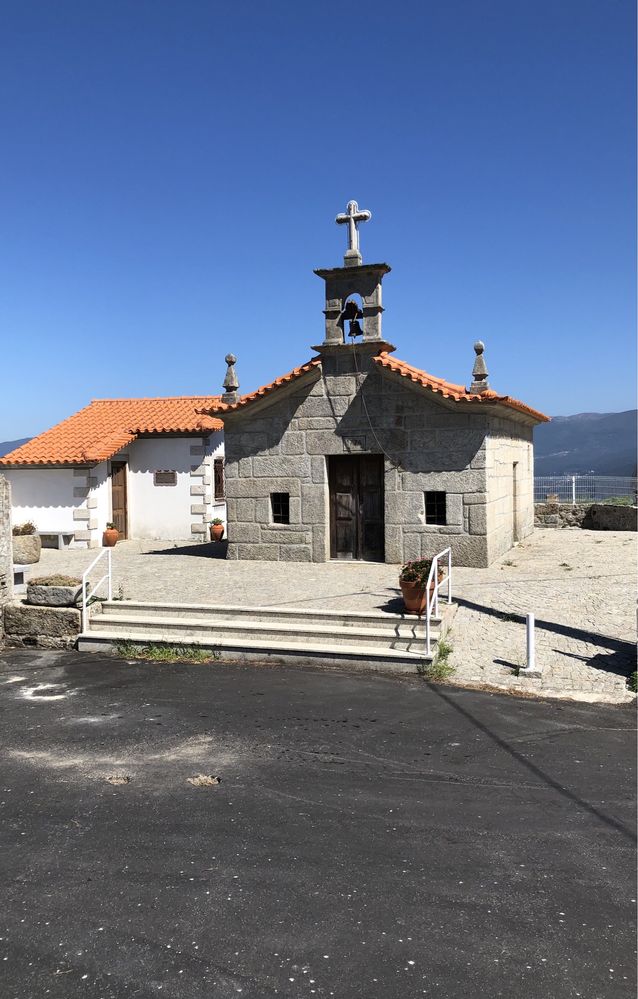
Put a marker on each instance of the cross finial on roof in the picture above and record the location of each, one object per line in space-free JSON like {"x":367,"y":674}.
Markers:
{"x":352,"y":216}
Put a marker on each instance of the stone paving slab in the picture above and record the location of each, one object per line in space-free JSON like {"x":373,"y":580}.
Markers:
{"x":579,"y":584}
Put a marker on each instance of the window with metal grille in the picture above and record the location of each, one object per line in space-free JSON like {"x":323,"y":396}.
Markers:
{"x":218,"y":478}
{"x":435,"y":508}
{"x":280,"y":505}
{"x":164,"y":478}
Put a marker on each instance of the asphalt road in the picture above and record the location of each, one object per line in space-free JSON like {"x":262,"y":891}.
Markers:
{"x":370,"y":837}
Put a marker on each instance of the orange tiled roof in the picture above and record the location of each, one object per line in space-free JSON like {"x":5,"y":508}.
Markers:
{"x":456,"y":392}
{"x":447,"y":389}
{"x":105,"y":426}
{"x":303,"y":369}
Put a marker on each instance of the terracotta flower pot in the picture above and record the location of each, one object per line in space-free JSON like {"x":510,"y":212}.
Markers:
{"x":110,"y":537}
{"x":413,"y":596}
{"x":216,"y":532}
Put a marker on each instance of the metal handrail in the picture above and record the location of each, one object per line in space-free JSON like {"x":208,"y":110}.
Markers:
{"x":86,"y":596}
{"x":432,"y":598}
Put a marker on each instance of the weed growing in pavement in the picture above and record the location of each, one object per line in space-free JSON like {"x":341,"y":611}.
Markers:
{"x":165,"y":653}
{"x":440,"y":668}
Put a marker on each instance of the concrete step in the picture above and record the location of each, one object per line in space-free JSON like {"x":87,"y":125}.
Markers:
{"x":370,"y":640}
{"x":402,"y":624}
{"x":282,"y":651}
{"x":212,"y":628}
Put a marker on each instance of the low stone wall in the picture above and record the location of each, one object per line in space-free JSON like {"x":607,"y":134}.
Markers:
{"x":41,"y":627}
{"x":558,"y":515}
{"x":592,"y":517}
{"x":605,"y":517}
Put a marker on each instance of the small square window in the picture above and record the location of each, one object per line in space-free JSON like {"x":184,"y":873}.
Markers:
{"x":165,"y":478}
{"x":280,"y":504}
{"x":435,"y":508}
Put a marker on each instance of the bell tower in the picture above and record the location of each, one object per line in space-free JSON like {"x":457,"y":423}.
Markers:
{"x":353,"y":308}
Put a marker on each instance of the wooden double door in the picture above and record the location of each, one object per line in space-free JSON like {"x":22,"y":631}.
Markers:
{"x":356,"y":507}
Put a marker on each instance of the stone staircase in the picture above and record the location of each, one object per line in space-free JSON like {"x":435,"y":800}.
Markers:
{"x":362,"y":639}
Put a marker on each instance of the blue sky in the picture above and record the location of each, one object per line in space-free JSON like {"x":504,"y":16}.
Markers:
{"x":171,"y":172}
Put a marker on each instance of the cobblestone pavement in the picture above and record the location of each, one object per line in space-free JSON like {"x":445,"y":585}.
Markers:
{"x":579,"y":584}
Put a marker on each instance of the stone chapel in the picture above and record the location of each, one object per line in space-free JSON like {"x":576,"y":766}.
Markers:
{"x":359,"y":455}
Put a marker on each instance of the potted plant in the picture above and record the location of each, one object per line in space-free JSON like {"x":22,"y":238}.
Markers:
{"x":27,"y":544}
{"x":412,"y":580}
{"x":110,"y":536}
{"x":216,"y":529}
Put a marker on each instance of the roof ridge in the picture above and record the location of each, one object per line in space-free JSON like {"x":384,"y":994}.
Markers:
{"x":264,"y":390}
{"x":450,"y":389}
{"x":155,"y":398}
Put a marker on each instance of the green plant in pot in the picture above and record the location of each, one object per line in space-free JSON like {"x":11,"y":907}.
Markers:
{"x":111,"y":535}
{"x":413,"y":581}
{"x":216,"y":529}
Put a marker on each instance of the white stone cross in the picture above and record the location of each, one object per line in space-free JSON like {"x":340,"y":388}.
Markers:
{"x":353,"y":216}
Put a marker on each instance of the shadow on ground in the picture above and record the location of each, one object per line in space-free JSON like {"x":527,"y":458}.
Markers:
{"x":213,"y":549}
{"x":619,"y":661}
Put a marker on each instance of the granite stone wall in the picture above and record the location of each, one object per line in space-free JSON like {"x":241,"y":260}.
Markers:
{"x":6,"y":556}
{"x":591,"y":517}
{"x":283,"y":446}
{"x":559,"y":514}
{"x":509,"y":511}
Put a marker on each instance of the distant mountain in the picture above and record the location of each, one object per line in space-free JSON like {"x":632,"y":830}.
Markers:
{"x":602,"y":443}
{"x":6,"y":446}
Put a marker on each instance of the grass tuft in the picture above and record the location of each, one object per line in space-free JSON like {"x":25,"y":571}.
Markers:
{"x":440,"y":668}
{"x":165,"y":653}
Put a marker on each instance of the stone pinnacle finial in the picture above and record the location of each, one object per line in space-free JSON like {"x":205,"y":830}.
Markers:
{"x":479,"y":371}
{"x":351,"y":217}
{"x":231,"y":382}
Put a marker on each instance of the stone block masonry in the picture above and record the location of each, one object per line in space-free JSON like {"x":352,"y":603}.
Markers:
{"x":86,"y":534}
{"x":6,"y":556}
{"x":41,"y":627}
{"x":286,"y":445}
{"x":559,"y":515}
{"x":589,"y":516}
{"x":200,"y":487}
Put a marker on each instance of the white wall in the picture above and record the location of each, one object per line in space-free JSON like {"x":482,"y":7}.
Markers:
{"x":215,"y":508}
{"x":45,"y":496}
{"x":159,"y":512}
{"x":101,"y":495}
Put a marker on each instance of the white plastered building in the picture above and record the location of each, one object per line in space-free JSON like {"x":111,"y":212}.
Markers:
{"x":154,"y":467}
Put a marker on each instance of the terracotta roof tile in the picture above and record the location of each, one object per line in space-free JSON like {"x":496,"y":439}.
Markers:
{"x":451,"y":391}
{"x":105,"y":426}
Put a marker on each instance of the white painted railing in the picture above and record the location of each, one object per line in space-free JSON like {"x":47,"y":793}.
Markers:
{"x":106,"y":578}
{"x":432,"y":591}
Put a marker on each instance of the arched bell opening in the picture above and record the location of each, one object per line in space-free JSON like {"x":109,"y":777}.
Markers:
{"x":351,"y":318}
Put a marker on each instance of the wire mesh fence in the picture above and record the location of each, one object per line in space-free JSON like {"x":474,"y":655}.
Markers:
{"x":585,"y":488}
